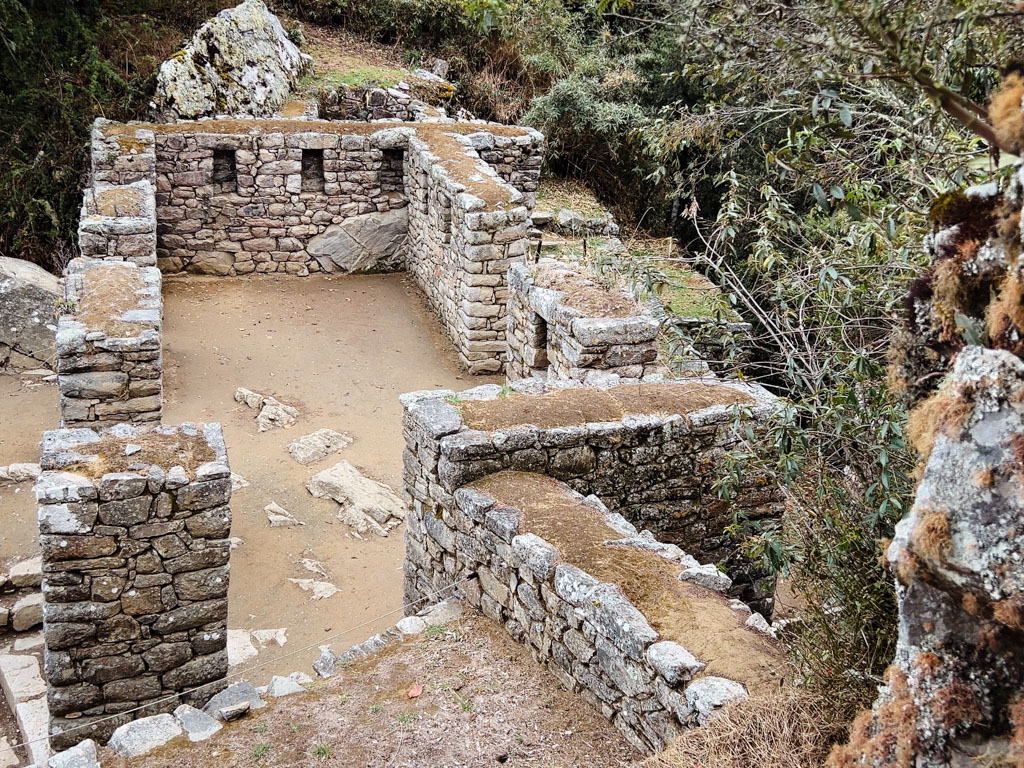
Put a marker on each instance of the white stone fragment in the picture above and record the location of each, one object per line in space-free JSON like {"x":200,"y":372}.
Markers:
{"x":317,"y":445}
{"x":266,"y":636}
{"x":357,"y":494}
{"x":240,"y":647}
{"x":140,"y":737}
{"x":27,"y":613}
{"x":20,"y":678}
{"x":320,"y":590}
{"x":27,"y":573}
{"x":279,"y":517}
{"x":7,"y":757}
{"x":707,"y":576}
{"x":283,"y":686}
{"x":197,"y":724}
{"x":33,"y":718}
{"x":758,"y":623}
{"x":82,"y":755}
{"x":411,"y":626}
{"x":707,"y":694}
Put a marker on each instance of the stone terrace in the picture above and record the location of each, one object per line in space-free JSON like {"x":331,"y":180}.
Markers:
{"x":628,"y":445}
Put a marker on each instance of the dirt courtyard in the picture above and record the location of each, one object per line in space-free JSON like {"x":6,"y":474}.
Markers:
{"x":341,"y":350}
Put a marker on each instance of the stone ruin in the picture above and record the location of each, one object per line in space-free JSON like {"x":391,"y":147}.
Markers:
{"x":133,"y":527}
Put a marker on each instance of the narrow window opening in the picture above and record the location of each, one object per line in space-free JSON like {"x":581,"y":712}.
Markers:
{"x":312,"y":170}
{"x":541,"y":359}
{"x":392,"y":171}
{"x":225,"y":172}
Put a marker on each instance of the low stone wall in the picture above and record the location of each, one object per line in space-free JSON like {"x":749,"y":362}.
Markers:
{"x":133,"y":527}
{"x":573,"y":582}
{"x":628,"y":445}
{"x":109,"y":354}
{"x":369,"y":103}
{"x":461,"y":246}
{"x":550,"y":337}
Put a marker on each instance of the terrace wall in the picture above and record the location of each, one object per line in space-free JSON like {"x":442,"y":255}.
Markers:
{"x":659,"y":471}
{"x":549,"y":338}
{"x":135,"y":573}
{"x":594,"y":639}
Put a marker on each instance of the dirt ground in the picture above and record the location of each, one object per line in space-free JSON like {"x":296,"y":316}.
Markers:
{"x":27,"y":409}
{"x":484,"y":702}
{"x":341,"y":350}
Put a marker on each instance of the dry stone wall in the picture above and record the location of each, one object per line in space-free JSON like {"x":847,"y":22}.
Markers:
{"x":21,"y":602}
{"x":133,"y":528}
{"x":109,"y":352}
{"x":447,"y":201}
{"x":658,"y":470}
{"x":118,"y":217}
{"x":548,"y":337}
{"x":586,"y":630}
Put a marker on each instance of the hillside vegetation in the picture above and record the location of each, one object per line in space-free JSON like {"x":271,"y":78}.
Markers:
{"x":793,"y":149}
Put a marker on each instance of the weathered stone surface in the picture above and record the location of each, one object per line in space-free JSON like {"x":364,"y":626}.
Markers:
{"x":317,"y":445}
{"x":371,"y":242}
{"x":82,"y":755}
{"x":240,"y":62}
{"x":707,"y":694}
{"x":283,"y":686}
{"x":20,"y":678}
{"x":673,"y":662}
{"x":197,"y":724}
{"x":358,"y":494}
{"x":233,"y":695}
{"x":707,"y":576}
{"x":27,"y":612}
{"x":140,"y":737}
{"x":27,"y":327}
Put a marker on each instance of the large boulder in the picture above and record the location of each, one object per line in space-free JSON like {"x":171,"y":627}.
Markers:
{"x":371,"y":242}
{"x":27,"y":325}
{"x":240,"y":62}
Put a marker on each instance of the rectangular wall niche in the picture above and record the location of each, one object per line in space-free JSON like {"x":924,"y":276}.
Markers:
{"x":312,"y":170}
{"x":392,"y":171}
{"x":225,"y":171}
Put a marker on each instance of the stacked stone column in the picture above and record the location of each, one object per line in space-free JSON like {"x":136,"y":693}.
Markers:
{"x":110,"y":368}
{"x":133,"y":527}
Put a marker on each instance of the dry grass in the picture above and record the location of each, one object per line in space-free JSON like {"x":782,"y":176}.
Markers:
{"x":555,"y":194}
{"x":174,"y":450}
{"x":782,"y":729}
{"x":1006,"y":114}
{"x":587,"y":293}
{"x":699,"y":619}
{"x":574,"y":407}
{"x":942,"y":413}
{"x":485,"y":702}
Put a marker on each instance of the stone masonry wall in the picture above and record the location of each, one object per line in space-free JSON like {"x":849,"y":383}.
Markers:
{"x":235,"y":197}
{"x":118,"y":217}
{"x":135,"y":572}
{"x":659,"y":470}
{"x":549,"y":338}
{"x":459,"y":254}
{"x":109,"y":353}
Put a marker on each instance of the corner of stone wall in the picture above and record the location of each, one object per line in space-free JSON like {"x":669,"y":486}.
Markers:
{"x":549,"y":338}
{"x":135,"y":573}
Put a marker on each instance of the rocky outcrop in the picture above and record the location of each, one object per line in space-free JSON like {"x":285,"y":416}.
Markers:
{"x":240,"y":62}
{"x":27,"y":325}
{"x":372,"y":242}
{"x":953,"y":692}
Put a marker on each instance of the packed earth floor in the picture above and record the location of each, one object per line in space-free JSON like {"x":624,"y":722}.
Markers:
{"x":339,"y":349}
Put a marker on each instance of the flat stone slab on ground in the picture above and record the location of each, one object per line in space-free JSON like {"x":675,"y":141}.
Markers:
{"x":27,"y":573}
{"x":197,"y":724}
{"x":240,"y":647}
{"x":317,"y":445}
{"x":232,"y":696}
{"x":34,"y":721}
{"x":20,"y":678}
{"x":320,"y":590}
{"x":283,"y":686}
{"x":359,"y":497}
{"x":140,"y":737}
